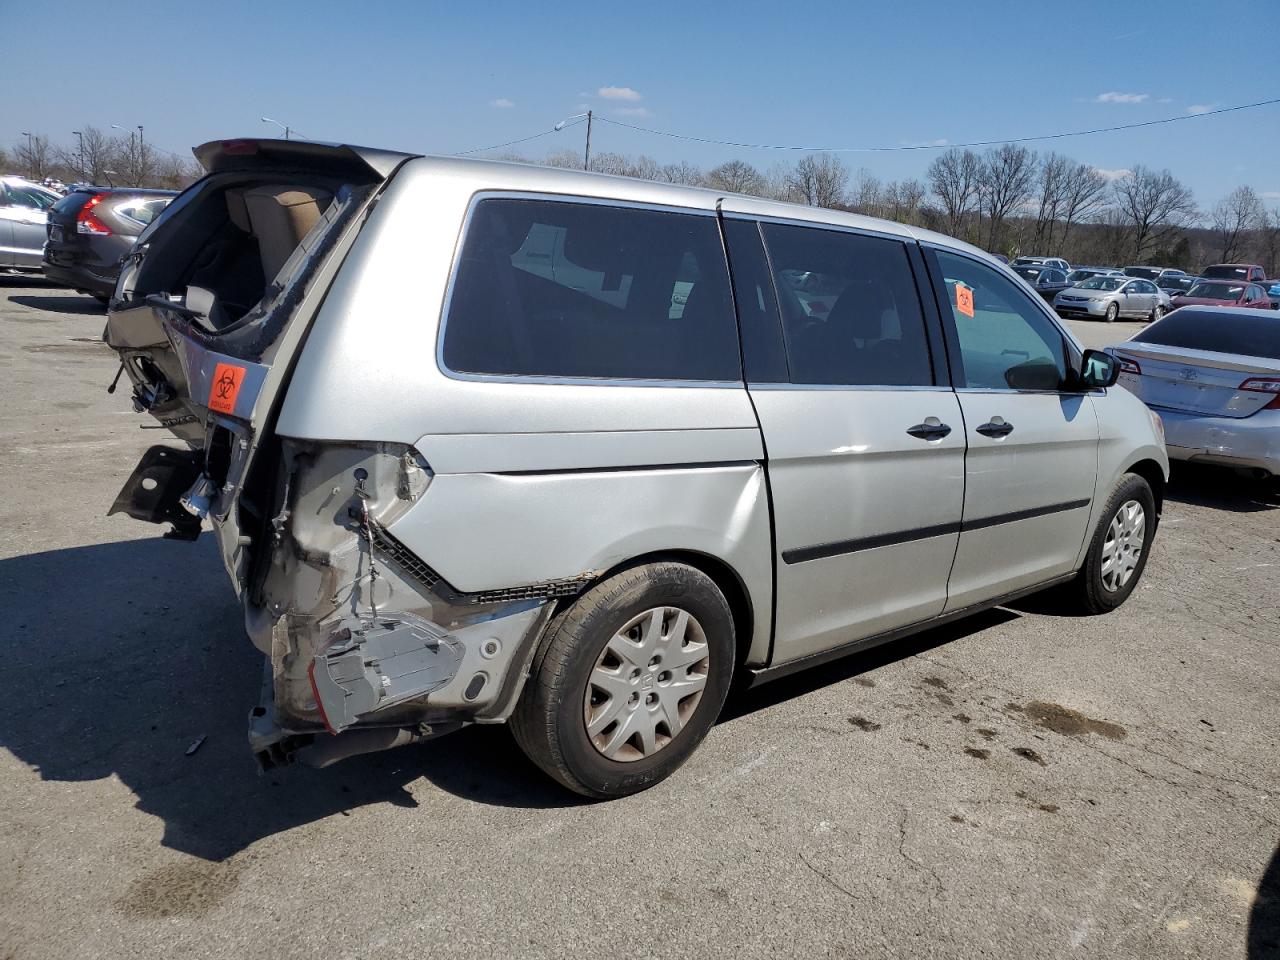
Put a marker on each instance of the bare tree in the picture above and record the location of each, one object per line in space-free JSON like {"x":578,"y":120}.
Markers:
{"x":1155,"y":205}
{"x":1270,"y":240}
{"x":953,"y":177}
{"x":1051,"y":183}
{"x":1005,"y":179}
{"x":1233,"y":219}
{"x":780,"y":184}
{"x":821,"y":180}
{"x":1084,"y":190}
{"x":35,"y":157}
{"x":568,"y":159}
{"x":905,"y":201}
{"x":868,"y":194}
{"x":736,"y":176}
{"x":684,"y":173}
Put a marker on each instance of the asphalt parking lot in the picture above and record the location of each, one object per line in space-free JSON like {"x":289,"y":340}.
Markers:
{"x":1020,"y":785}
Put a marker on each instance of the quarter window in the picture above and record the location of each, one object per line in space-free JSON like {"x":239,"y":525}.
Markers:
{"x":1006,"y":341}
{"x":547,"y":288}
{"x":850,"y":310}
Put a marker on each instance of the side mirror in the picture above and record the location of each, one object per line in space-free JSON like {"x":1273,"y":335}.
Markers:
{"x":1099,"y":369}
{"x":1034,"y":375}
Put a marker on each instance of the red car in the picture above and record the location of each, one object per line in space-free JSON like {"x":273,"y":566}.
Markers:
{"x":1224,"y":293}
{"x":1240,"y":272}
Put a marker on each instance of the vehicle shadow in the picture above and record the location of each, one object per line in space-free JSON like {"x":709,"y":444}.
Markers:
{"x":72,"y":304}
{"x":1264,"y":918}
{"x":1221,"y":489}
{"x":139,"y":652}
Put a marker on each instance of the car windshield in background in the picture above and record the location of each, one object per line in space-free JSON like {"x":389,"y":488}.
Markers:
{"x":1076,"y":276}
{"x":1226,"y":273}
{"x":1146,"y":273}
{"x":1217,"y":291}
{"x":1103,"y":283}
{"x":1029,"y":272}
{"x":1247,"y":333}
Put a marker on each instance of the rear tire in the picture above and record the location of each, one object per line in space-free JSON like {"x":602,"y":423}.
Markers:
{"x":1118,"y":549}
{"x":629,"y":682}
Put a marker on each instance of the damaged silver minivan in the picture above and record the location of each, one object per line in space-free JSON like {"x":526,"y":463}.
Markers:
{"x":489,"y":443}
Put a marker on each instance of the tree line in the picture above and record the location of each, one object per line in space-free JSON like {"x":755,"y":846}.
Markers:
{"x":1007,"y":199}
{"x":98,"y":158}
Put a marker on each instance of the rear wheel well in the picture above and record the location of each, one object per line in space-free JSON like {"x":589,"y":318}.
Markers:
{"x":1151,"y":472}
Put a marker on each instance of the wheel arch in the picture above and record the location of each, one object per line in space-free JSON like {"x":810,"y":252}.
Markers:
{"x":1153,"y":473}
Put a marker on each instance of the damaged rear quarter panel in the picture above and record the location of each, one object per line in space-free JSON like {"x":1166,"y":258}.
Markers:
{"x":485,"y":531}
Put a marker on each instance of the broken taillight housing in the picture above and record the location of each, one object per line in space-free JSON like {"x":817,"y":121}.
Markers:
{"x":1129,"y":366}
{"x":87,"y":221}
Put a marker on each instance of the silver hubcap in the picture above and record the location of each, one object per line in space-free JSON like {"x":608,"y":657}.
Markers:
{"x":646,"y":684}
{"x":1123,"y":547}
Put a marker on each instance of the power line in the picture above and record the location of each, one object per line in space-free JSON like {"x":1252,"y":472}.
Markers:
{"x":942,"y":146}
{"x":509,"y":143}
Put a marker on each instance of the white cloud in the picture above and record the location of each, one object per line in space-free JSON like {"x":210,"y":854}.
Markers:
{"x":1113,"y":97}
{"x":502,"y":103}
{"x":1198,"y":108}
{"x":1270,"y":194}
{"x":633,"y":112}
{"x":619,"y":93}
{"x":940,"y":142}
{"x":1117,"y":174}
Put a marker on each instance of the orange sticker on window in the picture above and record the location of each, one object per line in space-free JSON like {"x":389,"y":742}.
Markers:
{"x":227,"y":379}
{"x":964,"y":300}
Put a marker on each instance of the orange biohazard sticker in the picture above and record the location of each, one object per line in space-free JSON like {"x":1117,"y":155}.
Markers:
{"x":964,"y":300}
{"x":227,"y":378}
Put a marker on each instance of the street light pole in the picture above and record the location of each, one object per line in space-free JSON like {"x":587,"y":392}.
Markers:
{"x":31,"y":153}
{"x":586,"y":156}
{"x":81,"y":136}
{"x":287,"y":128}
{"x":141,"y":145}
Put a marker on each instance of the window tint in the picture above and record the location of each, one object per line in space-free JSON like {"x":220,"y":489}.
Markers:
{"x":36,"y":199}
{"x":850,"y":310}
{"x":1005,"y":340}
{"x":1255,"y":334}
{"x":763,"y":356}
{"x":548,"y":288}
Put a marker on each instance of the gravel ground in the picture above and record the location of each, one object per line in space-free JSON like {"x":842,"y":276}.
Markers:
{"x":1020,"y":785}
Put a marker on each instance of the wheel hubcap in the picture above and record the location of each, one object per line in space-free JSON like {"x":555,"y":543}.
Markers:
{"x":1123,"y":547}
{"x":646,"y":684}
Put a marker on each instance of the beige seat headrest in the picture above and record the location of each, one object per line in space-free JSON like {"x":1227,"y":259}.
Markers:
{"x":280,"y":216}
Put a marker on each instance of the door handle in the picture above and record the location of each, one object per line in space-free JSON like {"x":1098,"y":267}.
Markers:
{"x":929,"y":431}
{"x":996,"y":427}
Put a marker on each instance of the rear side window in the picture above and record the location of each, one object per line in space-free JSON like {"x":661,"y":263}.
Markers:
{"x":548,"y":288}
{"x":850,"y":310}
{"x":1256,"y":334}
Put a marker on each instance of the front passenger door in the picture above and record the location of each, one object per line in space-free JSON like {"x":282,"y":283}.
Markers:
{"x":1032,"y":458}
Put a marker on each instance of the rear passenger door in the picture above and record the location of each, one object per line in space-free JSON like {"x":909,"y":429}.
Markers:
{"x":862,"y":432}
{"x":1032,"y":458}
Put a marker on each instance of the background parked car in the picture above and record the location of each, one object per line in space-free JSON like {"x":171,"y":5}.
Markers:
{"x":1056,"y":262}
{"x":1213,"y":375}
{"x":1247,"y":272}
{"x":23,"y":208}
{"x":1146,"y":273}
{"x":1224,"y":293}
{"x":1273,"y":294}
{"x":1109,"y":298}
{"x":1175,"y":284}
{"x":1048,"y":281}
{"x":91,"y":228}
{"x":1081,"y":274}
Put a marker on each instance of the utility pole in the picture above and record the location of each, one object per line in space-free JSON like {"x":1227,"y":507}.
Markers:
{"x":81,"y":136}
{"x":586,"y":157}
{"x":140,"y":144}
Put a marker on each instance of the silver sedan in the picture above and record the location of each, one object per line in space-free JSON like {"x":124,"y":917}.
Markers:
{"x":1110,"y":298}
{"x":1213,"y":375}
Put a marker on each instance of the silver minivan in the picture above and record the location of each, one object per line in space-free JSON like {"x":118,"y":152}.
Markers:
{"x":492,"y":443}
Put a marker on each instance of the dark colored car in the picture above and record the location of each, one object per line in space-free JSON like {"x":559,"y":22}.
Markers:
{"x":1243,"y":272}
{"x":1225,"y":293}
{"x":91,"y":228}
{"x":1176,"y":284}
{"x":1048,"y":281}
{"x":1145,"y":273}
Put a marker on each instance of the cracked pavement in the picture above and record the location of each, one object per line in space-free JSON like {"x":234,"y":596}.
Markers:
{"x":1019,"y":785}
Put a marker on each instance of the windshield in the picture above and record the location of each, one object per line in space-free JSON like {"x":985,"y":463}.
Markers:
{"x":1146,"y":273}
{"x":1076,"y":276}
{"x":1103,"y":283}
{"x":1224,"y":271}
{"x":1217,"y":291}
{"x":1254,"y":335}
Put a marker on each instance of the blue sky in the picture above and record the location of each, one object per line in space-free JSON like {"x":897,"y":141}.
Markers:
{"x":447,"y":77}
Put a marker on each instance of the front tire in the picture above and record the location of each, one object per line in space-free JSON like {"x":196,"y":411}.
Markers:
{"x":1113,"y":311}
{"x":1118,"y":550}
{"x":1157,"y":312}
{"x":630,"y":681}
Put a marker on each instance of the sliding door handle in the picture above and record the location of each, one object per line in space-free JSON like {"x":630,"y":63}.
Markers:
{"x":929,"y":431}
{"x":996,"y":427}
